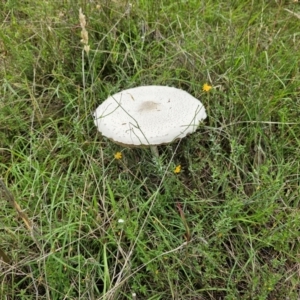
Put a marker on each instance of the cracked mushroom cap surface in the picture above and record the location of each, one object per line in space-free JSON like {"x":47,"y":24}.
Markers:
{"x":149,"y":115}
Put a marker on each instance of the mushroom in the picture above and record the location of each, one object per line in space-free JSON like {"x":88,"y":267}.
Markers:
{"x":149,"y":116}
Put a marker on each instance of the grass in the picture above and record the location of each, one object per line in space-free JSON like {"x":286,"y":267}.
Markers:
{"x":225,"y":227}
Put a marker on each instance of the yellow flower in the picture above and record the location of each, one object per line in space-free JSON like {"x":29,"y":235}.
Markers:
{"x":118,"y":155}
{"x":206,"y":87}
{"x":177,"y":169}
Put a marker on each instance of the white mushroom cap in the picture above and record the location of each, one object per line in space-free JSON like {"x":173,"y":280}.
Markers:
{"x":149,"y":115}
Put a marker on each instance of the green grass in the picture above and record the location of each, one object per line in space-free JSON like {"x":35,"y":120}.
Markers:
{"x":225,"y":227}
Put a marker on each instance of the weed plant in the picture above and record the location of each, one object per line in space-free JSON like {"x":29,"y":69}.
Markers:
{"x":78,"y":222}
